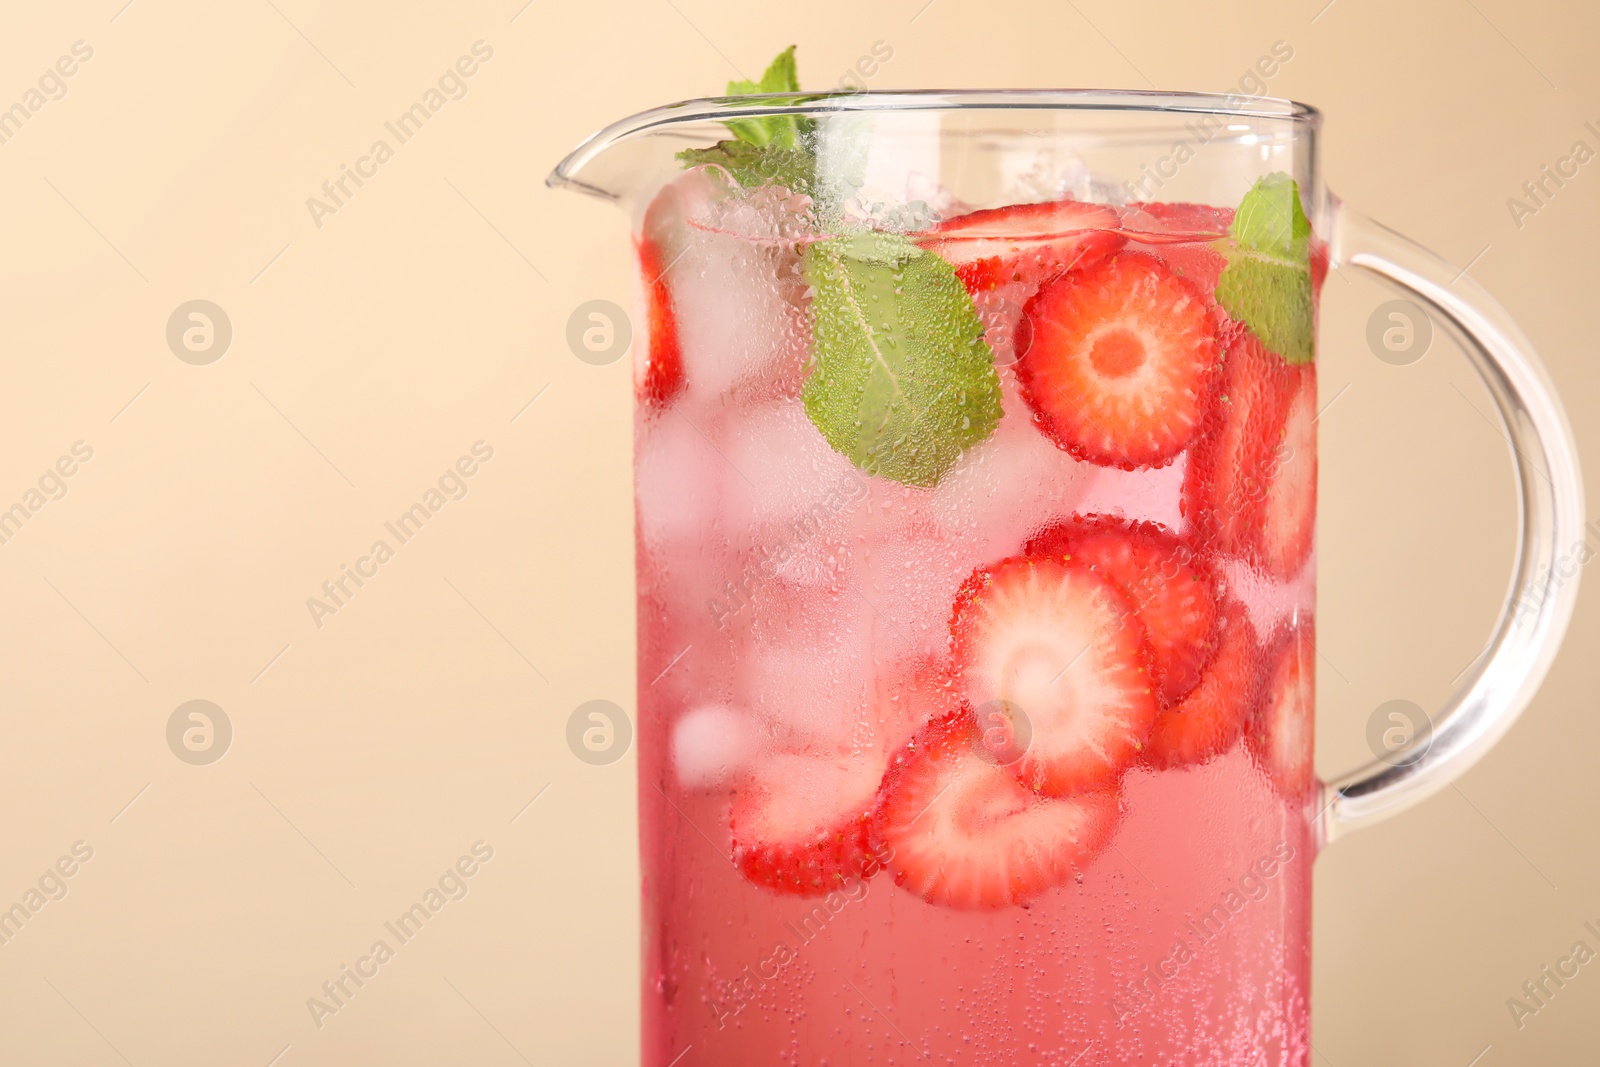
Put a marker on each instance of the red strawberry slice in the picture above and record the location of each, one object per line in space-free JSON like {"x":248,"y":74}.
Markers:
{"x":1198,"y":263}
{"x":1289,"y":504}
{"x":1171,"y":589}
{"x":659,"y":375}
{"x":959,"y":831}
{"x":1119,"y":360}
{"x":1281,"y":735}
{"x":1162,"y":223}
{"x":1230,"y":462}
{"x":1183,"y":236}
{"x":1207,"y":722}
{"x":1023,"y":242}
{"x":801,"y":823}
{"x":1251,"y":485}
{"x":1319,"y":270}
{"x":1060,"y":642}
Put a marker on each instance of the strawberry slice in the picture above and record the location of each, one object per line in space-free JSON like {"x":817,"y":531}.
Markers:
{"x":1280,"y":737}
{"x":1118,"y":362}
{"x":1289,"y":505}
{"x":1319,"y":270}
{"x":1023,"y":242}
{"x":1230,"y":462}
{"x":1184,"y":237}
{"x":1171,"y":589}
{"x":659,"y":375}
{"x":959,"y":831}
{"x":1163,"y":223}
{"x":1207,"y":722}
{"x":1251,"y":485}
{"x":1063,"y":644}
{"x":801,"y":823}
{"x":801,"y":819}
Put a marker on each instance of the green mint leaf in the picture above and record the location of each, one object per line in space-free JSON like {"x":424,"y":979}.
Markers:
{"x":1267,"y":282}
{"x":903,"y":380}
{"x":752,"y":166}
{"x":782,"y":75}
{"x":784,"y":131}
{"x":1271,"y":220}
{"x":770,"y":149}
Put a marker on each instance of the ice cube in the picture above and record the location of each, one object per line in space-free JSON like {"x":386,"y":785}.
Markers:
{"x":801,"y":558}
{"x":732,"y":266}
{"x":1272,"y":604}
{"x":685,"y":559}
{"x":710,"y":745}
{"x":1000,"y":310}
{"x":1003,"y":490}
{"x":822,"y":791}
{"x":677,"y":477}
{"x":807,"y":682}
{"x":860,"y":156}
{"x":770,"y":216}
{"x":911,"y":581}
{"x":1150,"y":494}
{"x":808,"y":558}
{"x":781,"y":476}
{"x":737,"y":325}
{"x":1055,"y":171}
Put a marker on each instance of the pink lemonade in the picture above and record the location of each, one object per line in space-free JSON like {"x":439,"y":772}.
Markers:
{"x":975,"y":665}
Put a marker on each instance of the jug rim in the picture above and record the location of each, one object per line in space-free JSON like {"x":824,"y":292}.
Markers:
{"x":756,"y":105}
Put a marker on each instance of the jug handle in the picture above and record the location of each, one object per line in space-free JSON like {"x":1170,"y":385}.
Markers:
{"x":1503,"y":679}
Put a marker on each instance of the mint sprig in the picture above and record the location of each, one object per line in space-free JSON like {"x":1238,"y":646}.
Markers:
{"x":765,"y":149}
{"x":1267,"y":282}
{"x":753,"y":166}
{"x":784,"y":131}
{"x":903,"y":380}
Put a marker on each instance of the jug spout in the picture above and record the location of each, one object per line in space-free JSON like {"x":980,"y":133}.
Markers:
{"x":629,"y":159}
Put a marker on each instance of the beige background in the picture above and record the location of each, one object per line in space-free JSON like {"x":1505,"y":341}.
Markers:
{"x":369,"y":353}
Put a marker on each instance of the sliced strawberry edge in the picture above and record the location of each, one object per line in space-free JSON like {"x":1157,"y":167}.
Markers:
{"x":1211,"y":718}
{"x":984,"y":269}
{"x":797,"y":846}
{"x":1233,"y":492}
{"x":959,"y":831}
{"x":660,"y":377}
{"x":1319,"y":269}
{"x":1289,"y":502}
{"x":1023,"y":242}
{"x":1180,"y":647}
{"x":1221,"y":487}
{"x":1281,"y":734}
{"x":1168,"y":222}
{"x":1026,"y":222}
{"x":1102,"y":682}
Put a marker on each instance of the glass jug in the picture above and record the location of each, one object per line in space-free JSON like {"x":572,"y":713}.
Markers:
{"x":976,"y":480}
